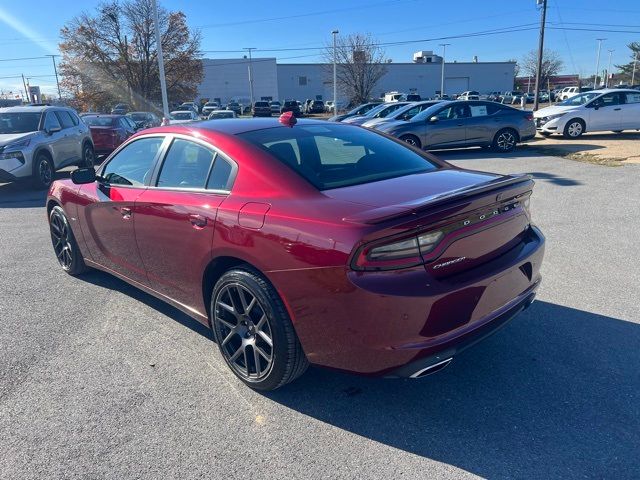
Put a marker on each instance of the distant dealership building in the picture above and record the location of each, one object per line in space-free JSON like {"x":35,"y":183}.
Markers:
{"x":528,"y":84}
{"x":228,"y":79}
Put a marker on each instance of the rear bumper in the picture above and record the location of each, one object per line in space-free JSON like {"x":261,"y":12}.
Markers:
{"x":393,"y":323}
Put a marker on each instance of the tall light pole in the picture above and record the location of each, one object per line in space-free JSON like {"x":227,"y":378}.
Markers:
{"x":633,"y":73}
{"x":595,"y":78}
{"x":335,"y":75}
{"x":606,"y":82}
{"x":55,"y":70}
{"x":163,"y":81}
{"x":250,"y":73}
{"x":540,"y":54}
{"x":444,"y":52}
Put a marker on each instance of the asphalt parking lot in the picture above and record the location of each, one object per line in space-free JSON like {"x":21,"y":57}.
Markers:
{"x":99,"y":380}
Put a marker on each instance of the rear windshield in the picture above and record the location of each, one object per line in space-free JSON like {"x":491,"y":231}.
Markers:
{"x":333,"y":156}
{"x":94,"y":121}
{"x":262,"y":104}
{"x":182,"y":115}
{"x":138,"y":117}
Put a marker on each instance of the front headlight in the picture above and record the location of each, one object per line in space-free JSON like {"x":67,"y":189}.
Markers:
{"x":12,"y":155}
{"x":548,"y":118}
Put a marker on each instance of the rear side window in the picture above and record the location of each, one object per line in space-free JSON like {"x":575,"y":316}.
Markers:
{"x":632,"y":97}
{"x":186,"y":165}
{"x":333,"y":156}
{"x":221,"y":177}
{"x":133,"y":164}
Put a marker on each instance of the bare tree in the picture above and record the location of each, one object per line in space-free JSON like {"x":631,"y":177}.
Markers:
{"x":551,"y":65}
{"x":112,"y":55}
{"x":360,"y":66}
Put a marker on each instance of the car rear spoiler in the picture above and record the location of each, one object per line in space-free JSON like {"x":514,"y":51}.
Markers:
{"x":381,"y":214}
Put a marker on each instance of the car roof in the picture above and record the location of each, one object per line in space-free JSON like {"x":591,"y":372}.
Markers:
{"x":29,"y":108}
{"x":107,"y":115}
{"x":234,"y":126}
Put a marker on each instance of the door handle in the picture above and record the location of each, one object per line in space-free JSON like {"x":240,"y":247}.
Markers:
{"x":616,"y":109}
{"x":126,"y":213}
{"x":198,"y":221}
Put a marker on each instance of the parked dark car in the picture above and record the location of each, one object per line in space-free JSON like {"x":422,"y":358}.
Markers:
{"x":235,"y":107}
{"x":291,"y":106}
{"x":144,"y":119}
{"x":109,"y":131}
{"x":387,"y":262}
{"x":465,"y":123}
{"x":316,"y":106}
{"x":120,"y":109}
{"x":261,"y":109}
{"x":359,"y":110}
{"x":380,"y":111}
{"x":413,"y":97}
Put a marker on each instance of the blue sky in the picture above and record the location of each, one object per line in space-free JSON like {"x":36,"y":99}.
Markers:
{"x":32,"y":29}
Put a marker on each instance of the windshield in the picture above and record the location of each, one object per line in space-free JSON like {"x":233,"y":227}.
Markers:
{"x":362,"y":109}
{"x":19,"y":122}
{"x":333,"y":156}
{"x":95,"y":121}
{"x":181,"y":115}
{"x":375,"y":110}
{"x":428,"y":112}
{"x":579,"y":99}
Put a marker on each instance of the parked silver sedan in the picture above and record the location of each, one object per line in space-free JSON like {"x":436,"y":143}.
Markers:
{"x":465,"y":123}
{"x":405,"y":113}
{"x":380,"y":111}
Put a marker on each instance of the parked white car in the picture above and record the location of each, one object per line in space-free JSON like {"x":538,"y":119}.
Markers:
{"x":183,"y":116}
{"x":596,"y":111}
{"x":469,"y":95}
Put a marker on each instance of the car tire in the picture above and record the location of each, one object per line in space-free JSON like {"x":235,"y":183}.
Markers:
{"x":505,"y":140}
{"x":253,"y":331}
{"x":64,"y":243}
{"x":411,"y":140}
{"x":43,"y":171}
{"x":574,"y":128}
{"x":88,"y":155}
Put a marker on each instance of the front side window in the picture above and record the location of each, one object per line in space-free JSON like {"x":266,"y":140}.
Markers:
{"x":186,"y":165}
{"x":333,"y":156}
{"x":51,"y":121}
{"x":453,"y":112}
{"x":133,"y":164}
{"x":608,"y":99}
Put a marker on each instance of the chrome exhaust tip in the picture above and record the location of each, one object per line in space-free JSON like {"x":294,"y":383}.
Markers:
{"x":436,"y":367}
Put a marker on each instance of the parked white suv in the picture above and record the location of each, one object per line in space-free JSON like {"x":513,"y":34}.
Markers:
{"x":596,"y":111}
{"x":469,"y":95}
{"x":35,"y":141}
{"x":568,"y":92}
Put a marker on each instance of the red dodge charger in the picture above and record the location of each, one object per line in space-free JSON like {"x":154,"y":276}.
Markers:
{"x":306,"y":242}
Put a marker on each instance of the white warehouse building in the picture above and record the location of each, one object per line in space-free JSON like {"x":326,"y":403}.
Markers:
{"x":228,"y":79}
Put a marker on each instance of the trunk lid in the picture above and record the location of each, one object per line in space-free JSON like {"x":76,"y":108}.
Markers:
{"x":481,"y":216}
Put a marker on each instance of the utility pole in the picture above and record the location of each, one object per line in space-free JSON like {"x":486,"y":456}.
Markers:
{"x":595,"y":78}
{"x":335,"y":75}
{"x":543,"y":19}
{"x":55,"y":70}
{"x":250,"y":74}
{"x":633,"y":72}
{"x":163,"y":81}
{"x":444,"y":52}
{"x":26,"y":90}
{"x":606,"y":82}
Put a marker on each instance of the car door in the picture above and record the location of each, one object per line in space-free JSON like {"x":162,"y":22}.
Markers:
{"x":448,"y":128}
{"x":175,"y":218}
{"x":71,"y":142}
{"x":605,"y":113}
{"x":55,"y":139}
{"x":631,"y":111}
{"x":482,"y":123}
{"x":107,"y":214}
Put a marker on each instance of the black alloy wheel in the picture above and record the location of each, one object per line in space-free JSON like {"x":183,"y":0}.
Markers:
{"x":505,"y":140}
{"x":64,"y":243}
{"x":253,"y":331}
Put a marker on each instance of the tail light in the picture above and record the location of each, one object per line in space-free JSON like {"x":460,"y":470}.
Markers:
{"x":398,"y":253}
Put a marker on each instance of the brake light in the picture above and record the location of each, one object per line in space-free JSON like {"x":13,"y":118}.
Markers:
{"x":399,"y":253}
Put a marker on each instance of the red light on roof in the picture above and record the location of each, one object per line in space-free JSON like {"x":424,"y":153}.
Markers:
{"x":288,"y":119}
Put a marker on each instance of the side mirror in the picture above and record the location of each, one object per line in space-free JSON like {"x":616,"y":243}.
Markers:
{"x":52,"y":130}
{"x":80,"y":176}
{"x":433,"y":119}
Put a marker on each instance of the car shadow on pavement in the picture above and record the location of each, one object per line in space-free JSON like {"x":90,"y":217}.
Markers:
{"x":23,"y":195}
{"x":555,"y":179}
{"x":110,"y":282}
{"x":553,"y":395}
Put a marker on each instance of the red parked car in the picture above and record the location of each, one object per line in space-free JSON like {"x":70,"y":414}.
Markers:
{"x":313,"y":242}
{"x":109,"y":131}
